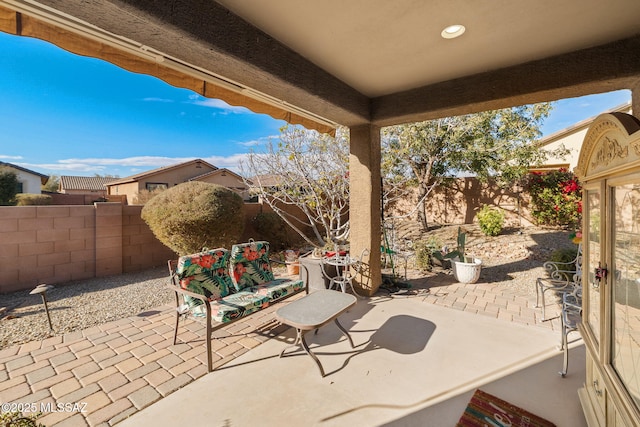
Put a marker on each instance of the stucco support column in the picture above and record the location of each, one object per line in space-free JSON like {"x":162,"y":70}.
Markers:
{"x":365,"y":203}
{"x":635,"y":100}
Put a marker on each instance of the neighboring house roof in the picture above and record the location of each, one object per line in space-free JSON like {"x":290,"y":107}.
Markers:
{"x":92,"y":183}
{"x":43,"y":178}
{"x":147,"y":174}
{"x":221,"y":171}
{"x":583,"y":124}
{"x":269,"y":180}
{"x":570,"y":139}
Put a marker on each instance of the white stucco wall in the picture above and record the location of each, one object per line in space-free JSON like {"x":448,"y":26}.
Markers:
{"x":30,"y":183}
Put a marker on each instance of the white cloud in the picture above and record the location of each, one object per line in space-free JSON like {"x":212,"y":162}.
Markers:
{"x":217,"y":103}
{"x":154,"y":99}
{"x":64,"y":169}
{"x":151,"y":161}
{"x":260,"y":141}
{"x":4,"y":156}
{"x":252,"y":143}
{"x":125,"y":166}
{"x":231,"y":162}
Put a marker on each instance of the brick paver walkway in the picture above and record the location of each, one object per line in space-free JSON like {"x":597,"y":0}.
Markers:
{"x":104,"y":374}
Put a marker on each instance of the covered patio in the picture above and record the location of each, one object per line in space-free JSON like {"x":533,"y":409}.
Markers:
{"x":361,"y":65}
{"x":364,"y":65}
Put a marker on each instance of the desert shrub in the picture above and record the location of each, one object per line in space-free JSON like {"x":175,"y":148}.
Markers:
{"x":272,"y":228}
{"x":27,"y":199}
{"x":195,"y":215}
{"x":556,"y":198}
{"x":424,"y":250}
{"x":18,"y":419}
{"x":491,"y":220}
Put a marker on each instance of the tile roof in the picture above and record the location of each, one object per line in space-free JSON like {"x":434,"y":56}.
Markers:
{"x":11,"y":165}
{"x":222,"y":171}
{"x":146,"y":174}
{"x":84,"y":182}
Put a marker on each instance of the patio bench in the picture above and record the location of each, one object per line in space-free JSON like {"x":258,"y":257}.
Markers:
{"x":220,"y":287}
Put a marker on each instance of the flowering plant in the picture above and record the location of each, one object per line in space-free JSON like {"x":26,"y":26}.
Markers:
{"x":576,"y":237}
{"x":556,"y":198}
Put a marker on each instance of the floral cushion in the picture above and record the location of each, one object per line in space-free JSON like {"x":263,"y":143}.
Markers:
{"x":205,"y":273}
{"x":249,"y":265}
{"x":233,"y":306}
{"x":279,"y":288}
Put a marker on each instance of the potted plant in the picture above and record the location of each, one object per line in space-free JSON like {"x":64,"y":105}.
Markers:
{"x":465,"y":269}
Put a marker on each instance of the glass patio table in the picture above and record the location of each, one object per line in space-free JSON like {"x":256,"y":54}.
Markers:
{"x":312,"y":312}
{"x":343,"y":277}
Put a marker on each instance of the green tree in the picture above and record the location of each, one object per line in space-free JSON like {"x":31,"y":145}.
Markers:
{"x":8,"y":186}
{"x":308,"y":171}
{"x":53,"y":184}
{"x":496,"y":143}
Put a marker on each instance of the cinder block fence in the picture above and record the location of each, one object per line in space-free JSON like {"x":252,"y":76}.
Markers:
{"x":57,"y":244}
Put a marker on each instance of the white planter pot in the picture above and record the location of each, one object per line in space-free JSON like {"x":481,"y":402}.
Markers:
{"x":466,"y":272}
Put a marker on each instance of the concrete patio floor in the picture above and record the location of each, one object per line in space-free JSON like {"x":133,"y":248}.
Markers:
{"x":418,"y":358}
{"x":414,"y":364}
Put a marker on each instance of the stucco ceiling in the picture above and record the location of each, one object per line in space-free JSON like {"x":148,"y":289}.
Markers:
{"x":380,"y":47}
{"x":358,"y":62}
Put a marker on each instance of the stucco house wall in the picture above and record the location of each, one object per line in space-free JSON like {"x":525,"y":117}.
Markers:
{"x":30,"y":183}
{"x":128,"y":190}
{"x":227,"y":179}
{"x":571,"y":138}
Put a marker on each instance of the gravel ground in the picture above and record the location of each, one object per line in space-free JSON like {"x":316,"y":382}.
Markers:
{"x":513,"y":259}
{"x":79,"y":305}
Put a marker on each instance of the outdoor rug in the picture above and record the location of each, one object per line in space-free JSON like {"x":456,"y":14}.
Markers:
{"x":485,"y":409}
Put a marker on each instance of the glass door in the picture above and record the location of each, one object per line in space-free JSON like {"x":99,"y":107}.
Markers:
{"x":625,"y":280}
{"x":592,"y":247}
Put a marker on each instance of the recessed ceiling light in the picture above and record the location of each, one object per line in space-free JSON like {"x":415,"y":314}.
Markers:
{"x":453,"y":31}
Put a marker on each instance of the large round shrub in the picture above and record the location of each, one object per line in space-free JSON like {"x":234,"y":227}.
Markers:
{"x":195,"y":215}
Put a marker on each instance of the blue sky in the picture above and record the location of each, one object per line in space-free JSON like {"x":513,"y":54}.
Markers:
{"x":64,"y":114}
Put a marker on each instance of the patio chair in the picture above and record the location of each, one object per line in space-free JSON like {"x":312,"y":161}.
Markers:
{"x":570,"y":318}
{"x":562,"y":277}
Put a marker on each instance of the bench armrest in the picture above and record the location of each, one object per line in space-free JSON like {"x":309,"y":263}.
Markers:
{"x":178,"y":289}
{"x":305,"y":280}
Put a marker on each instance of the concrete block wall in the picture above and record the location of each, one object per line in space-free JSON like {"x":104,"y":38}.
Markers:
{"x":46,"y":244}
{"x":140,"y":248}
{"x":108,"y":239}
{"x":58,"y":244}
